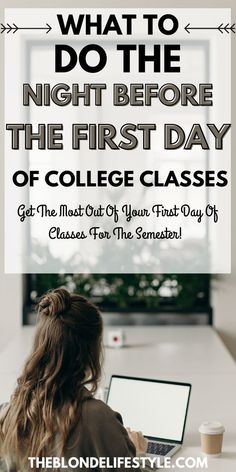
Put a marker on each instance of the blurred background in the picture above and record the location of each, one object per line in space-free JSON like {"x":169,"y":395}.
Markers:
{"x":136,"y":299}
{"x":144,"y":302}
{"x":194,"y":299}
{"x":130,"y":298}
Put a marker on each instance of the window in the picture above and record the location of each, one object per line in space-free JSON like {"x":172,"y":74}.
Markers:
{"x":132,"y":298}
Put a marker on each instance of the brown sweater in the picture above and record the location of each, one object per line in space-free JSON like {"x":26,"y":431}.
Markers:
{"x":99,"y":433}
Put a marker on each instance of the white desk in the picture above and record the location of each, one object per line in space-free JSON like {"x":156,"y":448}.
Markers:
{"x":191,"y":354}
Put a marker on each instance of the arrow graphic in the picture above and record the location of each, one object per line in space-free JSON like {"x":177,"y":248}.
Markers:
{"x":221,"y":28}
{"x":13,"y":29}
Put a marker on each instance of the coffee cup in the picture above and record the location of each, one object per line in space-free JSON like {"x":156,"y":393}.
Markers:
{"x":211,"y":438}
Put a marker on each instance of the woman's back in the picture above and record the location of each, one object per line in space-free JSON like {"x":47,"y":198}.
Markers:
{"x":51,"y":413}
{"x":98,"y":434}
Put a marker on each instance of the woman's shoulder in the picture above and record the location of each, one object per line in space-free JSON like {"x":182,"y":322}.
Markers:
{"x":99,"y":408}
{"x":96,"y":411}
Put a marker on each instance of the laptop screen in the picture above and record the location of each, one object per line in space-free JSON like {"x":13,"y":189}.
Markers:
{"x":156,"y":408}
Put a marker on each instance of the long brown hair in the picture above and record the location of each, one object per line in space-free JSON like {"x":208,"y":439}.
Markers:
{"x":66,"y":356}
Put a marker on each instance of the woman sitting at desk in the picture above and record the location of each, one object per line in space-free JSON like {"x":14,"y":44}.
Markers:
{"x":52,"y":413}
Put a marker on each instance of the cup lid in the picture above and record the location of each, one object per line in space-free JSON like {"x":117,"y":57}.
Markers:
{"x":211,"y":427}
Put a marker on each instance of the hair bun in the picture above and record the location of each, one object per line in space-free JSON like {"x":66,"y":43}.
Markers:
{"x":55,"y":303}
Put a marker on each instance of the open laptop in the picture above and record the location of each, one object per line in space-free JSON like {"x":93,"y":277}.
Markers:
{"x":157,"y":408}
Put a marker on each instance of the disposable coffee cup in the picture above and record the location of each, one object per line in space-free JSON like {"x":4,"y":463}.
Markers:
{"x":211,"y":438}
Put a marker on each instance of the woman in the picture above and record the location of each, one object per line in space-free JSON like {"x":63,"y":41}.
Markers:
{"x":52,"y":413}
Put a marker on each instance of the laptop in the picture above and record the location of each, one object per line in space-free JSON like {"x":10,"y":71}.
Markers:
{"x":158,"y":408}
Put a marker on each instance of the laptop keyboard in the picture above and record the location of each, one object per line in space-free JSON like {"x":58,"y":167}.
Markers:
{"x":159,"y":449}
